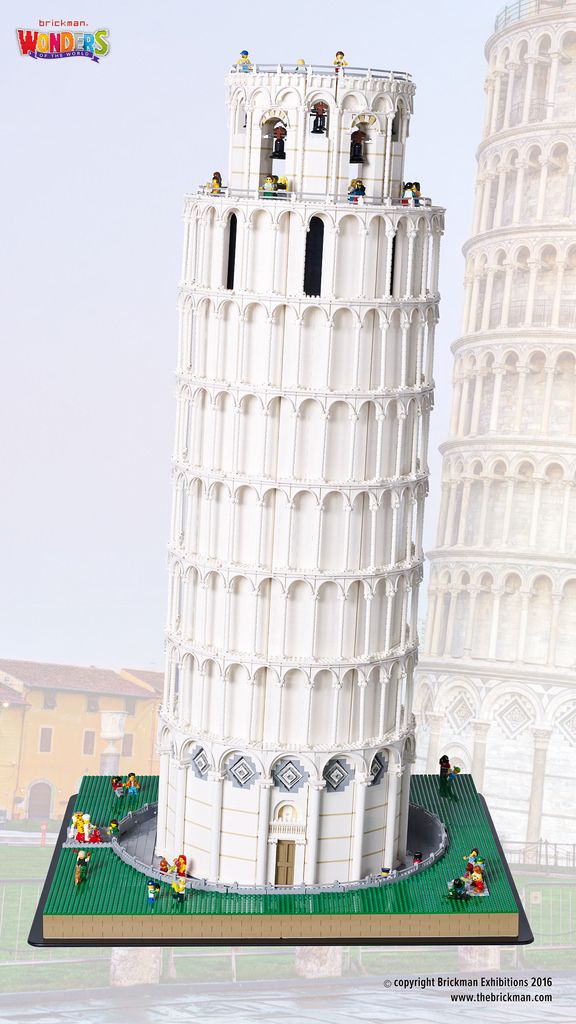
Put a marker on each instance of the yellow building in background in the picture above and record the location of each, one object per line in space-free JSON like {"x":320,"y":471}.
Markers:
{"x":60,"y":722}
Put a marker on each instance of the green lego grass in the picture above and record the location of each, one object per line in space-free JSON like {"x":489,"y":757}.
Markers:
{"x":114,"y":888}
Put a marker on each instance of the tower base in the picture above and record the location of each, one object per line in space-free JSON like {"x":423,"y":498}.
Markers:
{"x":111,"y":906}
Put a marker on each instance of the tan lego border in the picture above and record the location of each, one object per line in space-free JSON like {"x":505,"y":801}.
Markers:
{"x":317,"y":926}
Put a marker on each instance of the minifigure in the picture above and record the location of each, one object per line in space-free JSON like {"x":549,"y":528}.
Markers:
{"x":83,"y":834}
{"x":81,"y":867}
{"x":472,"y":860}
{"x":320,"y":111}
{"x":444,"y":766}
{"x":417,"y":859}
{"x":164,"y":866}
{"x":179,"y":865}
{"x":477,"y":881}
{"x":269,"y":187}
{"x":300,"y":64}
{"x":75,"y":826}
{"x":113,"y":829}
{"x":357,"y":140}
{"x":179,"y":890}
{"x":413,"y":187}
{"x":95,"y":836}
{"x":453,"y":774}
{"x":153,"y":891}
{"x":339,"y":62}
{"x":356,"y":190}
{"x":244,"y":63}
{"x":384,"y":872}
{"x":457,"y":889}
{"x":282,"y":185}
{"x":117,"y":785}
{"x":216,"y":183}
{"x":278,"y":153}
{"x":132,"y":785}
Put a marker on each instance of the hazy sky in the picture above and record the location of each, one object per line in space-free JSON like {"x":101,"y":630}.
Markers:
{"x":96,"y":160}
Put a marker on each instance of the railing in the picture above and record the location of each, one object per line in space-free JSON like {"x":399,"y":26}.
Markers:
{"x":320,"y":69}
{"x":525,"y":9}
{"x":542,"y":853}
{"x":278,"y":829}
{"x":319,"y":198}
{"x":203,"y":885}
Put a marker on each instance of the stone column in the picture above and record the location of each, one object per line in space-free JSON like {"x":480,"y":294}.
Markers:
{"x":361,"y":784}
{"x":436,"y":721}
{"x":404,"y":812}
{"x":394,"y":775}
{"x":181,"y":780}
{"x":162,"y":803}
{"x":217,"y":781}
{"x":263,"y":829}
{"x":541,"y":742}
{"x":481,"y":730}
{"x":312,"y":829}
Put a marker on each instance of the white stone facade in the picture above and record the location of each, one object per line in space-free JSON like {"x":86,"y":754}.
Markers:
{"x":299,"y":482}
{"x":497,"y":683}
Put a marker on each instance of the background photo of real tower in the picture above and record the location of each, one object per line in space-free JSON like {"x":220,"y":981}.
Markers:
{"x":304,"y":390}
{"x":497,"y":673}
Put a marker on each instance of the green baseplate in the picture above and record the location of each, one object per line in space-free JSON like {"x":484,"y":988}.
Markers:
{"x":114,"y":888}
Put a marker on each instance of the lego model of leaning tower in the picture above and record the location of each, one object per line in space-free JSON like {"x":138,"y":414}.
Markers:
{"x":305,"y":384}
{"x":497,"y":675}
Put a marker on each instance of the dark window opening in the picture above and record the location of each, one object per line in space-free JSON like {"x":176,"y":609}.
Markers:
{"x":313,"y":258}
{"x":92,"y":704}
{"x":357,"y":140}
{"x":396,"y":126}
{"x":232,"y":228}
{"x":392,"y":266}
{"x":319,"y":118}
{"x":127,"y":744}
{"x":49,"y":701}
{"x":89,"y":742}
{"x":45,"y":740}
{"x":130,"y":705}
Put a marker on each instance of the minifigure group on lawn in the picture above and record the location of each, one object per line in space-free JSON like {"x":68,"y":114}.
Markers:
{"x":131,"y":787}
{"x":472,"y":882}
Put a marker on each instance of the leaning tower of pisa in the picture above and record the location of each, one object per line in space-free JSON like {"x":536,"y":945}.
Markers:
{"x":304,"y":390}
{"x":497,"y":684}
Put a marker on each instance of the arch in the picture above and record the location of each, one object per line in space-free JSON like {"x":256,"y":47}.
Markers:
{"x":40,"y":800}
{"x":313,"y":257}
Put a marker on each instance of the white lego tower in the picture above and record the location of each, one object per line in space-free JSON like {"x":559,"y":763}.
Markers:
{"x":305,"y":385}
{"x":496,"y":685}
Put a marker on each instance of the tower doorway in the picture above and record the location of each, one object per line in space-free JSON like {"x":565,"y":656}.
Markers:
{"x":285,"y":859}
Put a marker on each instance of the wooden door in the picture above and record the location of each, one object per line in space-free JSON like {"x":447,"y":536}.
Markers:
{"x":285,"y":858}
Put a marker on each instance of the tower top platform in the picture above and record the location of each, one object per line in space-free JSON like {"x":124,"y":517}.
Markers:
{"x":340,"y":74}
{"x":522,"y":9}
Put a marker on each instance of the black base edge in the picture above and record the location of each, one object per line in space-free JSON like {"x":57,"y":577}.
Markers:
{"x":36,"y":936}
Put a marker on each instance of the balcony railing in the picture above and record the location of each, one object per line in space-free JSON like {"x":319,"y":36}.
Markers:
{"x":525,"y":9}
{"x":320,"y":69}
{"x":320,"y":198}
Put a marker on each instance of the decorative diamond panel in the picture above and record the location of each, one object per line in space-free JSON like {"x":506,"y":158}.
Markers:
{"x":378,"y":769}
{"x":201,"y":762}
{"x":567,"y":724}
{"x":289,"y":776}
{"x":337,"y":775}
{"x":514,"y":716}
{"x":460,"y":713}
{"x":242,"y":771}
